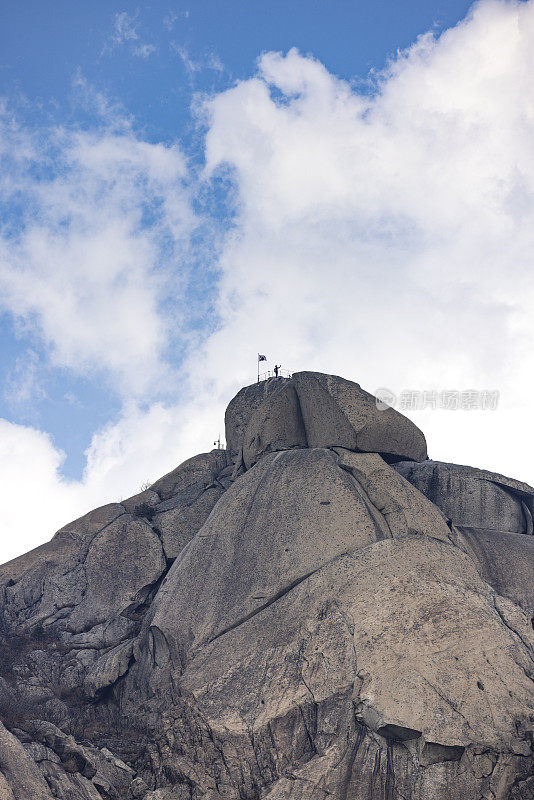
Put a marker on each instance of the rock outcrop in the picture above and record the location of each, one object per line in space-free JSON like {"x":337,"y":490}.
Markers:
{"x":316,"y":410}
{"x":473,"y":497}
{"x":317,"y":612}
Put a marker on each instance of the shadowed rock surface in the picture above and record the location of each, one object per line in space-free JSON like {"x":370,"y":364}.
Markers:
{"x":317,"y":612}
{"x":473,"y":497}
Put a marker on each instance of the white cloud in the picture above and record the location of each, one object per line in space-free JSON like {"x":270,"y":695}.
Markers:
{"x":30,"y":480}
{"x":209,"y":60}
{"x":170,"y":19}
{"x":144,"y":50}
{"x":96,"y":235}
{"x":125,"y":32}
{"x":22,"y":385}
{"x":387,"y":238}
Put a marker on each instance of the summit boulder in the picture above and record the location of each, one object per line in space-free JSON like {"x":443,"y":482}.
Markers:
{"x":315,"y":410}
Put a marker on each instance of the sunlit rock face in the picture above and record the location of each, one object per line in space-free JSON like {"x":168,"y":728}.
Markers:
{"x":315,"y":410}
{"x":316,"y":612}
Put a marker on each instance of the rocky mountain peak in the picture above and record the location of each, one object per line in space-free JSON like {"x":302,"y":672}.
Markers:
{"x":318,"y":611}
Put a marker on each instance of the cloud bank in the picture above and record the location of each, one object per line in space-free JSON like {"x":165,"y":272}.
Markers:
{"x":383,"y":233}
{"x":95,"y":219}
{"x":387,"y":235}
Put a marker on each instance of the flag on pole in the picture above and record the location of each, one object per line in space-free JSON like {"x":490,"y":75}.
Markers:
{"x":260,"y":358}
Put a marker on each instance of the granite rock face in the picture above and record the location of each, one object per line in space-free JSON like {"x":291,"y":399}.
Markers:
{"x":315,"y":410}
{"x":473,"y":497}
{"x":317,"y":612}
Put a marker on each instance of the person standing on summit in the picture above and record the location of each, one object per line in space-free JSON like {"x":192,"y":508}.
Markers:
{"x":276,"y":368}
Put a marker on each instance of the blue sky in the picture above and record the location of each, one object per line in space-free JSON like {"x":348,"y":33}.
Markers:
{"x":152,"y":61}
{"x":346,"y":186}
{"x":45,"y":44}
